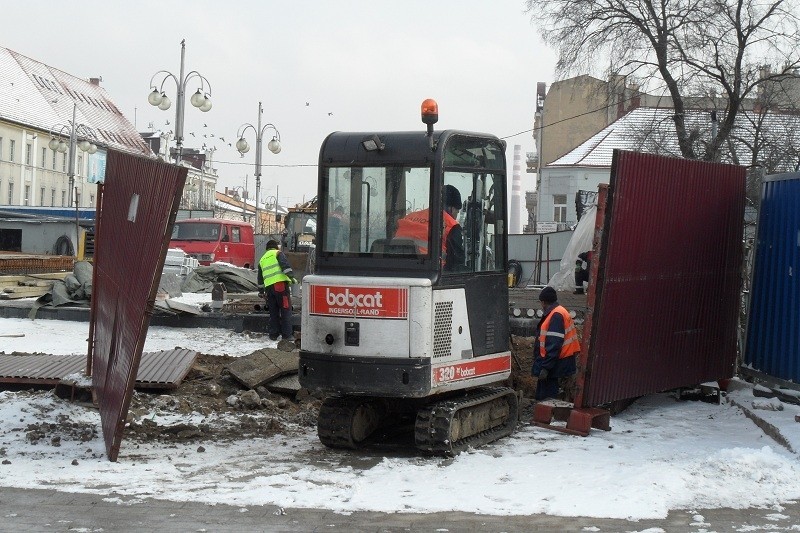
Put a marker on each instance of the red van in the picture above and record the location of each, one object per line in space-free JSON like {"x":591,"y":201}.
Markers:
{"x":214,"y":240}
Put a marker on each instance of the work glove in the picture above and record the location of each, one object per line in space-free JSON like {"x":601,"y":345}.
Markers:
{"x":543,"y":374}
{"x":261,"y":292}
{"x":292,"y":280}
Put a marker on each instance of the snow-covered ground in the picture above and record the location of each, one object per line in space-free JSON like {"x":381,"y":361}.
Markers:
{"x":61,"y":337}
{"x":661,"y":454}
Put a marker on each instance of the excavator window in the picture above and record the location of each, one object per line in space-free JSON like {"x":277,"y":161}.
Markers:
{"x":385,"y":212}
{"x":366,"y":204}
{"x":475,"y":166}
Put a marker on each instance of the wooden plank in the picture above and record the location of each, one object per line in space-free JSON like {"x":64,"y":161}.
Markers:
{"x":13,"y":293}
{"x":16,"y":278}
{"x":21,"y":289}
{"x":41,"y":283}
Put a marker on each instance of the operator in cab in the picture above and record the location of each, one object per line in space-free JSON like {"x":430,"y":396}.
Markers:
{"x":414,"y":226}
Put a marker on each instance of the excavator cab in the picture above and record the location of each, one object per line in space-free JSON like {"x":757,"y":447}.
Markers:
{"x":408,"y":305}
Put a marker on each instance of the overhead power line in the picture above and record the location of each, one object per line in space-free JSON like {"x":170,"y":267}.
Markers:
{"x":603,"y":108}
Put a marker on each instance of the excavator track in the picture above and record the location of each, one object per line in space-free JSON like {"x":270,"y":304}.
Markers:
{"x":450,"y":426}
{"x":346,"y":422}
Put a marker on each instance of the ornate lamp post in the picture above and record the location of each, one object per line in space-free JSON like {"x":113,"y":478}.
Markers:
{"x":274,"y":146}
{"x":273,"y":201}
{"x":200,"y":99}
{"x":242,"y":197}
{"x":72,"y":132}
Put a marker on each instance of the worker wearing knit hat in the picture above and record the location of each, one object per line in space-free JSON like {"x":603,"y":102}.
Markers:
{"x":548,"y":295}
{"x":555,"y":347}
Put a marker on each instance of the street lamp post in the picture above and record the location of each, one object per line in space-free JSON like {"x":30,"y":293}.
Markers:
{"x":274,"y":146}
{"x":73,"y":130}
{"x":273,"y":201}
{"x":200,"y":99}
{"x":243,"y":198}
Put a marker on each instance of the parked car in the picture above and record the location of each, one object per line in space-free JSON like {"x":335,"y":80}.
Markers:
{"x":212,"y":240}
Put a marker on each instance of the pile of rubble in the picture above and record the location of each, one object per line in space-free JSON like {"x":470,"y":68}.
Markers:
{"x":228,"y":409}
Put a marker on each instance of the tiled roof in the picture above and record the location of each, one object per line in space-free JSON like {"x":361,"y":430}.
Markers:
{"x":652,"y":130}
{"x":41,"y":97}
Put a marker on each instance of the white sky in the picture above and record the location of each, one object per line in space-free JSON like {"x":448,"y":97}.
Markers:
{"x":369,"y":63}
{"x":661,"y":454}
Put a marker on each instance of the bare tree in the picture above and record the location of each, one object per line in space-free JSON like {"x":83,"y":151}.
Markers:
{"x":689,"y":48}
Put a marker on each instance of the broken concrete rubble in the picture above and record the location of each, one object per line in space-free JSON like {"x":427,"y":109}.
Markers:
{"x":263,"y":366}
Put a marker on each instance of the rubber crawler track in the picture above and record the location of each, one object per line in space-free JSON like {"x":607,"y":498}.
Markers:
{"x":335,"y":423}
{"x":432,"y":429}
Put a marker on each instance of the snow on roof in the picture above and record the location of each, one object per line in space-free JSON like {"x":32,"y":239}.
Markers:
{"x":39,"y":96}
{"x":652,"y":130}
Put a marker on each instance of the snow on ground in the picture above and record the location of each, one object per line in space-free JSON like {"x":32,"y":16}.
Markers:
{"x":62,"y":337}
{"x":661,"y":454}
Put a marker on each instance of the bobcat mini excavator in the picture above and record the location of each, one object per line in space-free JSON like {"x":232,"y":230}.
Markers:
{"x":391,"y":331}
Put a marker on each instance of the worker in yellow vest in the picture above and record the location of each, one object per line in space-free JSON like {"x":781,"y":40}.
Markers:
{"x":555,"y":346}
{"x":275,"y":275}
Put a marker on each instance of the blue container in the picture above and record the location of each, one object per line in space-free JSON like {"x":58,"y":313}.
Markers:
{"x":773,"y":332}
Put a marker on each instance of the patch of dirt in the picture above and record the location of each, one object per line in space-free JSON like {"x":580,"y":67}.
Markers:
{"x":211,"y":405}
{"x":62,"y":429}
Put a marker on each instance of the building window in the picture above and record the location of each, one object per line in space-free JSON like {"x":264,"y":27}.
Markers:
{"x":559,"y":207}
{"x":11,"y":146}
{"x":10,"y":193}
{"x":91,"y":200}
{"x":80,"y":165}
{"x":1,"y":148}
{"x":63,"y":198}
{"x":52,"y":197}
{"x":41,"y":197}
{"x":54,"y":159}
{"x":63,"y":162}
{"x":44,"y":157}
{"x":29,"y":154}
{"x":26,"y":198}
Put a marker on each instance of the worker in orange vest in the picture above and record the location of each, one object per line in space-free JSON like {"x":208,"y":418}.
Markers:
{"x":555,"y":347}
{"x":414,"y":226}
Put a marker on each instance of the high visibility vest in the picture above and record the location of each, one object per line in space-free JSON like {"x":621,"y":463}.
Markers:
{"x":571,"y":345}
{"x":414,"y":226}
{"x":270,"y":268}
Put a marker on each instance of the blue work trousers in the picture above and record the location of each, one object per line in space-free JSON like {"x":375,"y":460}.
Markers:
{"x":279,"y":305}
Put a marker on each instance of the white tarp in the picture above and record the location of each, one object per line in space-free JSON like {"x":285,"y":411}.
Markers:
{"x":581,"y":241}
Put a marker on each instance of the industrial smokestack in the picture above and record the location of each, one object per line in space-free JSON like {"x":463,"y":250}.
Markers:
{"x":516,"y":191}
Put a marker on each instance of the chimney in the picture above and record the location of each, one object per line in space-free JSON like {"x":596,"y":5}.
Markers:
{"x":541,"y":92}
{"x":516,"y":191}
{"x":636,"y":97}
{"x":96,"y":81}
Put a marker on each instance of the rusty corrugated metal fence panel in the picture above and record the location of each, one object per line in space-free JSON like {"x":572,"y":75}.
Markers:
{"x":167,"y":367}
{"x":140,"y":199}
{"x":668,"y":278}
{"x":157,"y":370}
{"x":773,"y":330}
{"x":41,"y":369}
